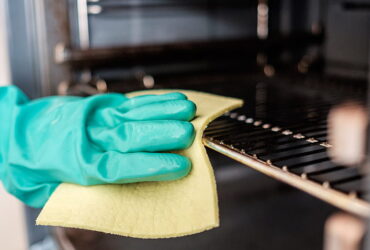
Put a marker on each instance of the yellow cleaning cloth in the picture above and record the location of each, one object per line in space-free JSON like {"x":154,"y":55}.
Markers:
{"x":149,"y":209}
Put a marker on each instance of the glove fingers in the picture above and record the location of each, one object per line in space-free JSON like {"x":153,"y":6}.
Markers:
{"x":149,"y":136}
{"x":182,"y":110}
{"x":172,"y":109}
{"x":142,"y":100}
{"x":117,"y":168}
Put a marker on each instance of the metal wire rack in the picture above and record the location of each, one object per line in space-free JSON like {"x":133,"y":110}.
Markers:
{"x":295,"y":154}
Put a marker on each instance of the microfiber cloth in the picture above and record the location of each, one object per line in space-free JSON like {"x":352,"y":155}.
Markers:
{"x":148,"y":209}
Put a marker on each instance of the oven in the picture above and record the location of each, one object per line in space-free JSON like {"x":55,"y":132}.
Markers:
{"x":293,"y":63}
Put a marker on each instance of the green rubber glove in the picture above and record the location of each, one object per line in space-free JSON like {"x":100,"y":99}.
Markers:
{"x":95,"y":140}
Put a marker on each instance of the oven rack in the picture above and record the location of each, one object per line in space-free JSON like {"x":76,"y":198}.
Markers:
{"x":296,"y":155}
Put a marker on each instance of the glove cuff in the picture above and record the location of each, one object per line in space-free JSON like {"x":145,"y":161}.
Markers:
{"x":10,"y":98}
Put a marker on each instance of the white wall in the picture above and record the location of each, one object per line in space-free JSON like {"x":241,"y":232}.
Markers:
{"x":12,"y":228}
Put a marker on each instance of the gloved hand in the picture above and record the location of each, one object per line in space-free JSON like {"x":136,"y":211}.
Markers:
{"x":95,"y":140}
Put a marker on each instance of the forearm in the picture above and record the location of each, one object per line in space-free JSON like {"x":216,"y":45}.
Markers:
{"x":10,"y":98}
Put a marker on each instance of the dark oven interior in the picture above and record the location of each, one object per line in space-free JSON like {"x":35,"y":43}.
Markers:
{"x":291,"y":61}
